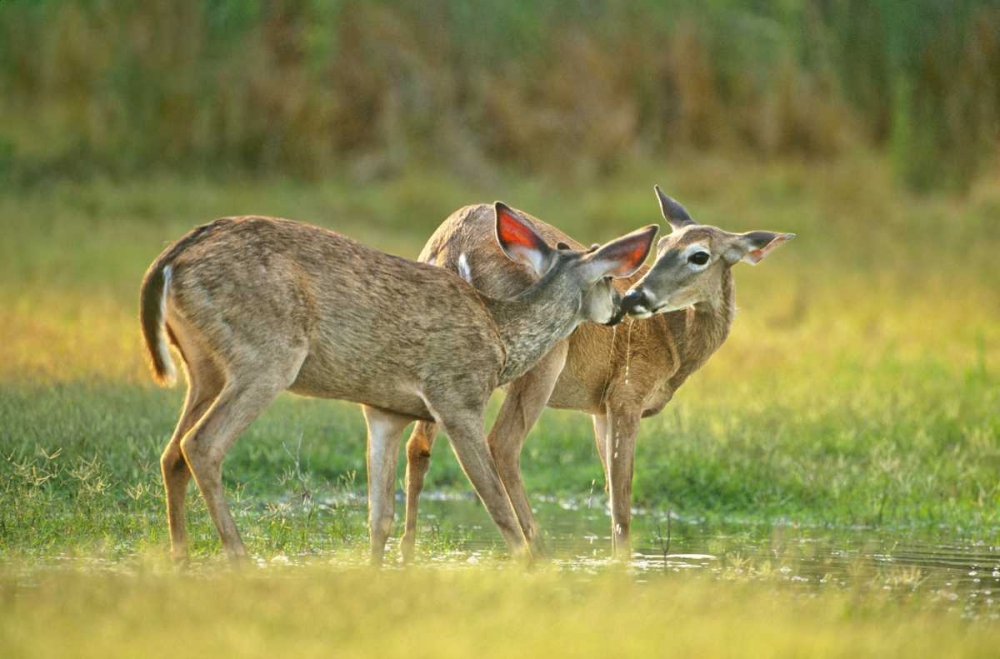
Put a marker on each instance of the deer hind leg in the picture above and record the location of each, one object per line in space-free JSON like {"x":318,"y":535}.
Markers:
{"x":205,"y":382}
{"x":525,"y":401}
{"x":418,"y":461}
{"x":243,"y":398}
{"x":385,"y":431}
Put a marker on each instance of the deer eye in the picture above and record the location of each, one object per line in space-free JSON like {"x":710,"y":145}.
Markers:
{"x":698,"y":258}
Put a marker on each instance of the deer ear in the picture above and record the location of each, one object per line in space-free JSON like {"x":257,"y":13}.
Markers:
{"x":752,"y":247}
{"x":623,"y":256}
{"x":675,"y":214}
{"x":519,"y":240}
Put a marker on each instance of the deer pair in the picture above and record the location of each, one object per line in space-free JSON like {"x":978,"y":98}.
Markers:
{"x":256,"y":306}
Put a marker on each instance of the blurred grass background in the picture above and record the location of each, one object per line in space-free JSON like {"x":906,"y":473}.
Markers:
{"x":573,"y":88}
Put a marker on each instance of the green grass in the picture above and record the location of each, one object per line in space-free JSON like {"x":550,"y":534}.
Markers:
{"x":838,"y":457}
{"x":859,"y":385}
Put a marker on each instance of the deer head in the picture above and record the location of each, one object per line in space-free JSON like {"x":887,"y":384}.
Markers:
{"x":584,"y":276}
{"x":691,"y":261}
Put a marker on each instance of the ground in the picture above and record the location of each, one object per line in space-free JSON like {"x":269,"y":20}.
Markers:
{"x":858,"y":389}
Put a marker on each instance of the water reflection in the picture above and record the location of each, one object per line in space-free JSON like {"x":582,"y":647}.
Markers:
{"x":946,"y":566}
{"x":577,"y":534}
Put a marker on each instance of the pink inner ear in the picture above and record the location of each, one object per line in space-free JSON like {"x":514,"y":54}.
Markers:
{"x":758,"y":255}
{"x":630,"y":259}
{"x":637,"y":254}
{"x":513,"y":232}
{"x":627,"y":253}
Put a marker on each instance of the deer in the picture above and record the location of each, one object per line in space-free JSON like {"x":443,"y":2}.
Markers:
{"x":256,"y":306}
{"x":680,"y":312}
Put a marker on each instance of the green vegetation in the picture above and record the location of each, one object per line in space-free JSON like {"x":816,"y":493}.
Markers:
{"x":858,"y":386}
{"x":837,"y":460}
{"x":308,"y":88}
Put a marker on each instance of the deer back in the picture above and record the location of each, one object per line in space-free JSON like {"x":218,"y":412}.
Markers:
{"x":376,"y":328}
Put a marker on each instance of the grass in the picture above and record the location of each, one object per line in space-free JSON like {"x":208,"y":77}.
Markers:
{"x":859,"y":387}
{"x":318,"y":610}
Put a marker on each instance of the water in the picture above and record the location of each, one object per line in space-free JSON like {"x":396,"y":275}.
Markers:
{"x":577,"y":536}
{"x":945,"y":565}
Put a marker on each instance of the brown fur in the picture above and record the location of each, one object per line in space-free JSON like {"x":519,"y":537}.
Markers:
{"x":619,"y":375}
{"x":259,"y":305}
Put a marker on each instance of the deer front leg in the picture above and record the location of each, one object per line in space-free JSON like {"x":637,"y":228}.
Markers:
{"x":622,"y":425}
{"x":601,"y":441}
{"x":418,"y":461}
{"x":525,"y":401}
{"x":385,"y":431}
{"x":468,"y":441}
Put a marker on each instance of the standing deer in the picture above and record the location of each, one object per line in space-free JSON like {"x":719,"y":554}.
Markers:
{"x":619,"y":377}
{"x":258,"y":305}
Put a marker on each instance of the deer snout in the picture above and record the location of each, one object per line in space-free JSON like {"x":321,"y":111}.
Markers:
{"x":636,"y":303}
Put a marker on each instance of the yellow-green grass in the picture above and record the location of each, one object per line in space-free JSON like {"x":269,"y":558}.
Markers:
{"x":874,"y":273}
{"x":492,"y":611}
{"x":859,"y":384}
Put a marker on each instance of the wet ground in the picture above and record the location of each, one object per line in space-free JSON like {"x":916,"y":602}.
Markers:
{"x":944,"y":563}
{"x":948,"y":566}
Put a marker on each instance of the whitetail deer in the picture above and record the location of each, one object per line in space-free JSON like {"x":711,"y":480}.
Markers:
{"x":619,"y":377}
{"x":257,"y":305}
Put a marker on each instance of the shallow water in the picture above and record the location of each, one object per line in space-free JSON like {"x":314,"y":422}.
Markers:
{"x":945,"y":563}
{"x":947,"y":566}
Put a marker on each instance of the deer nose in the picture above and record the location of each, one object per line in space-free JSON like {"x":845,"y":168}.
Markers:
{"x":635,"y":301}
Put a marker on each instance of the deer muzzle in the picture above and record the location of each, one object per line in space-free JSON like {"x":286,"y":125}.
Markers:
{"x":636,"y":303}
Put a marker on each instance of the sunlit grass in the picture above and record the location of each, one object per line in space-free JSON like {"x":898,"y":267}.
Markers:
{"x":858,"y":388}
{"x":873,"y":274}
{"x":485,"y":611}
{"x":858,"y":385}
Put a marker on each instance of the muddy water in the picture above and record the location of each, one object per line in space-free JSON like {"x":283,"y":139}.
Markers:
{"x":944,"y":563}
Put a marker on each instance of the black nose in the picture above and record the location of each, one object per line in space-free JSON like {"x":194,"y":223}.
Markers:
{"x":634,"y":298}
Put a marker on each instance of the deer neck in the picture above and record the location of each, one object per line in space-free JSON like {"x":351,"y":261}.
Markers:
{"x":531,"y":324}
{"x":706,"y":327}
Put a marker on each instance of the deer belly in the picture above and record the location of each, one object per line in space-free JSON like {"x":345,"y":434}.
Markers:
{"x":572,"y":394}
{"x":359,"y":381}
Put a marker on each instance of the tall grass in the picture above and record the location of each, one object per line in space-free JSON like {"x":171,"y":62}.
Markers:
{"x":304,"y":88}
